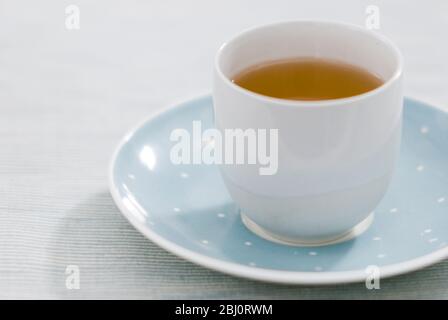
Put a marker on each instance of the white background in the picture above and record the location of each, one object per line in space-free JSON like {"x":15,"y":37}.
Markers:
{"x":67,"y":97}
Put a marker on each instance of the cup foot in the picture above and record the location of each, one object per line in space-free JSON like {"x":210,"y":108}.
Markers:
{"x":350,"y":234}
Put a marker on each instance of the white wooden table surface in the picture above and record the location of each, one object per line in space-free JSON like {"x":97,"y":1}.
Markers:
{"x":67,"y":97}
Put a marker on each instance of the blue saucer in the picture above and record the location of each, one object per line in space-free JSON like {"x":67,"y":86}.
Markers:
{"x":187,"y":210}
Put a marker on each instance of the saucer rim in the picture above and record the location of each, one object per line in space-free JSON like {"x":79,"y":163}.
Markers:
{"x":251,"y":272}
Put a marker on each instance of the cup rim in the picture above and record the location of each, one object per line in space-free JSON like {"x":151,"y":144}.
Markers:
{"x":313,"y":103}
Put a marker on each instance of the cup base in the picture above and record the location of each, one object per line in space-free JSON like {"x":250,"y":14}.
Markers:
{"x":298,"y":242}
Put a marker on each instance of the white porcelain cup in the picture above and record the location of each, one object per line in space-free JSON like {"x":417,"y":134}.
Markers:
{"x":335,"y":157}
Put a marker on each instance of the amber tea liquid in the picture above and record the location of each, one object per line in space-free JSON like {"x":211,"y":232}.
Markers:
{"x":307,"y":79}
